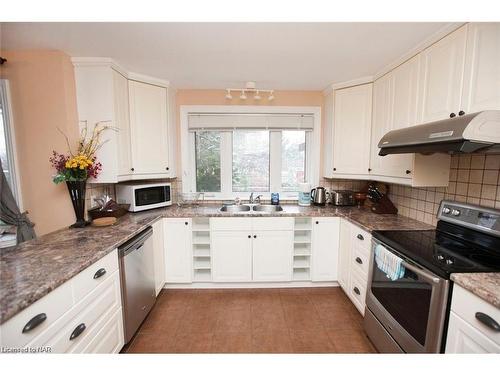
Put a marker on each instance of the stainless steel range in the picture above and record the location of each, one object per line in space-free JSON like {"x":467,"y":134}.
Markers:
{"x":409,"y":287}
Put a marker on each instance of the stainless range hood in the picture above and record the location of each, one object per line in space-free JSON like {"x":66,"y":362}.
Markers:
{"x":478,"y":131}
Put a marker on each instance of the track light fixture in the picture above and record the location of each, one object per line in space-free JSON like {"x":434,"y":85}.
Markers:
{"x":250,"y":88}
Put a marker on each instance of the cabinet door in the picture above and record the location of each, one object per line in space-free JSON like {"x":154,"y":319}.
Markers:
{"x":482,"y":68}
{"x":442,"y":77}
{"x":325,"y":248}
{"x":159,"y":255}
{"x":272,"y":255}
{"x":344,"y":254}
{"x":464,"y":338}
{"x":149,"y":128}
{"x":328,"y":136}
{"x":352,"y":128}
{"x":122,"y":123}
{"x":178,"y":250}
{"x":231,"y":256}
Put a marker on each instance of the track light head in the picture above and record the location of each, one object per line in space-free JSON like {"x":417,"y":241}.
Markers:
{"x":271,"y":96}
{"x":243,"y":96}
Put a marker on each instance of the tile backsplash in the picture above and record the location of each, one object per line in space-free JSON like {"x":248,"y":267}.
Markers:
{"x":473,"y":179}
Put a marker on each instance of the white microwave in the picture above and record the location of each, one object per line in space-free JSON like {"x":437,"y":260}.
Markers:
{"x":144,"y":196}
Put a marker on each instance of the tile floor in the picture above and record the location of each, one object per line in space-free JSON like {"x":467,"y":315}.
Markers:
{"x":293,"y":320}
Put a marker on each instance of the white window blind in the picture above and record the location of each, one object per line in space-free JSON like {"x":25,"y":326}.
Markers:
{"x":225,"y":121}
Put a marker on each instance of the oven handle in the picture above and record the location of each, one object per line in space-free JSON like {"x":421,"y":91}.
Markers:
{"x":420,"y":272}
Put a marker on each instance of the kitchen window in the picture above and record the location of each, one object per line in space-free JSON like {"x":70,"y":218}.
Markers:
{"x":233,"y":155}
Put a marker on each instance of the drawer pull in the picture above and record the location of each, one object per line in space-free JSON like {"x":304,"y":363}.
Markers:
{"x":35,"y":322}
{"x":100,"y":272}
{"x":356,"y":290}
{"x":488,"y":321}
{"x":360,"y":237}
{"x":77,"y":331}
{"x":358,"y":260}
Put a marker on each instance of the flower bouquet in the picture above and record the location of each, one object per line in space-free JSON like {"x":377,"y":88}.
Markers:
{"x":75,"y":168}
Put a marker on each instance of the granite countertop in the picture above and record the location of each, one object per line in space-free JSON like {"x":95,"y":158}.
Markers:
{"x":483,"y":285}
{"x":32,"y":269}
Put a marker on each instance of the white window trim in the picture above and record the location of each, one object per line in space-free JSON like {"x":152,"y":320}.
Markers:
{"x":11,"y":144}
{"x":189,"y":164}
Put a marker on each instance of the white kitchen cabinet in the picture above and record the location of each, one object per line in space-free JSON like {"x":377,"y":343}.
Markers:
{"x":482,"y":68}
{"x":272,"y":255}
{"x":442,"y":74}
{"x":159,"y":255}
{"x":231,"y":256}
{"x":466,"y":333}
{"x":148,"y":129}
{"x":351,"y":130}
{"x":327,"y":136}
{"x":325,"y":247}
{"x":122,"y":122}
{"x":178,"y":250}
{"x":344,"y":254}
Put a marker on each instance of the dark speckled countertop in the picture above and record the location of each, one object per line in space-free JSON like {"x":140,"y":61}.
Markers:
{"x":32,"y":269}
{"x":483,"y":285}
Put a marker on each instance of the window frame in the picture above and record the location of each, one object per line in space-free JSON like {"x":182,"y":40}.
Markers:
{"x":189,"y":158}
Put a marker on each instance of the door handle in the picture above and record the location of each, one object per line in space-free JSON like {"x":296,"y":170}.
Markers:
{"x":99,"y":273}
{"x":35,"y":322}
{"x":356,"y":290}
{"x":77,"y":331}
{"x":488,"y":321}
{"x":358,"y":260}
{"x":360,"y":237}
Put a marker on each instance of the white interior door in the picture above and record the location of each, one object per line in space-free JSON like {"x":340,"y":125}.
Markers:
{"x":325,"y":249}
{"x":178,"y":250}
{"x":149,"y":128}
{"x":272,"y":255}
{"x":231,"y":256}
{"x":442,"y":77}
{"x":352,"y":128}
{"x":482,"y":68}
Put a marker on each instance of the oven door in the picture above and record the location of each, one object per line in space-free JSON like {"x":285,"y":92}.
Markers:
{"x":152,"y":196}
{"x":412,"y":309}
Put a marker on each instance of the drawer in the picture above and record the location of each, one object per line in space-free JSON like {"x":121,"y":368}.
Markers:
{"x":465,"y":304}
{"x":357,"y":292}
{"x":360,"y":260}
{"x":106,"y":338}
{"x":102,"y":300}
{"x":272,"y":223}
{"x":53,"y":305}
{"x":94,"y":275}
{"x":360,"y":237}
{"x":231,"y":223}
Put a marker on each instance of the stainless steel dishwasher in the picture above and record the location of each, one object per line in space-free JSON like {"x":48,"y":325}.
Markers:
{"x":137,"y":280}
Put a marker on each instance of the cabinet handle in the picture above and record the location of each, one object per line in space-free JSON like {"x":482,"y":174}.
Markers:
{"x":461,"y":113}
{"x":132,"y":169}
{"x":99,"y":273}
{"x":249,"y":236}
{"x":488,"y":321}
{"x":254,"y":236}
{"x":317,"y":222}
{"x":369,"y":169}
{"x":360,"y":237}
{"x":167,"y":168}
{"x":358,"y":259}
{"x":356,"y":290}
{"x":186,"y":223}
{"x":77,"y":331}
{"x":452,"y":115}
{"x":35,"y":322}
{"x":407,"y":171}
{"x":334,"y":169}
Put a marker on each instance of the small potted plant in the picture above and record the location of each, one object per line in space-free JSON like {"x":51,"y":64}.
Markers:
{"x":76,"y":168}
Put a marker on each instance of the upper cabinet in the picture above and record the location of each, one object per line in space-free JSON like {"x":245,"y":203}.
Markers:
{"x":352,"y":111}
{"x":482,"y":68}
{"x":140,"y":110}
{"x":442,"y":77}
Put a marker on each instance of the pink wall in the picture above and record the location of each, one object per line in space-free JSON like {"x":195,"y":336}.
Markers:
{"x":43,"y":99}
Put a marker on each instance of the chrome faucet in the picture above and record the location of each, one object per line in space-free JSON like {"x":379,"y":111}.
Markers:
{"x":253,"y":200}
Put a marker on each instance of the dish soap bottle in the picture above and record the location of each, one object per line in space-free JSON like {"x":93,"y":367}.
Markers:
{"x":275,"y":199}
{"x":304,"y":194}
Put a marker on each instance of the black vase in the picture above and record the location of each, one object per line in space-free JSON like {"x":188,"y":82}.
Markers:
{"x":77,"y":193}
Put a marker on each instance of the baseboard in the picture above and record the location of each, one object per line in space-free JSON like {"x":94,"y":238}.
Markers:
{"x":210,"y":285}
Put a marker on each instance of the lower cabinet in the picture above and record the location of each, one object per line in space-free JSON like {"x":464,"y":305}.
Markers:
{"x":159,"y":255}
{"x":354,"y":259}
{"x":272,"y":255}
{"x":178,"y":250}
{"x":473,"y":324}
{"x":325,"y":247}
{"x":231,"y":256}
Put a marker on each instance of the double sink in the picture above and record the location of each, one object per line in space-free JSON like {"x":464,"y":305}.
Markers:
{"x":248,"y":208}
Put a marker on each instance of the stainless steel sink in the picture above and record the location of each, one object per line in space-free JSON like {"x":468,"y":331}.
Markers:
{"x":236,"y":208}
{"x":267,"y":208}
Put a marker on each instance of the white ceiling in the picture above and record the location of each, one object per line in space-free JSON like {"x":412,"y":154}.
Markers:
{"x":299,"y":56}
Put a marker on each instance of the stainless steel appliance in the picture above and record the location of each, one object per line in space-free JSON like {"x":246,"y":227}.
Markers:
{"x":409,"y":313}
{"x":462,"y":133}
{"x":342,"y":197}
{"x":144,"y":196}
{"x":319,"y":196}
{"x":137,"y":280}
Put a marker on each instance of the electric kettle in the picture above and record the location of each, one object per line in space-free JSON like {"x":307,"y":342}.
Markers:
{"x":319,"y":196}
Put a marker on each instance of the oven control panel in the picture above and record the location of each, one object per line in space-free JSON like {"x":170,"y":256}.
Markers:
{"x":483,"y":219}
